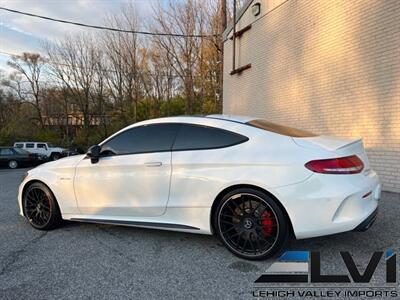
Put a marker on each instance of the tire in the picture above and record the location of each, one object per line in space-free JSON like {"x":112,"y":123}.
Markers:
{"x":13,"y":164}
{"x":251,"y":224}
{"x":55,"y":156}
{"x":40,"y":207}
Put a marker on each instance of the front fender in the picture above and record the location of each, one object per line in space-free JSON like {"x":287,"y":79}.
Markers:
{"x":59,"y":177}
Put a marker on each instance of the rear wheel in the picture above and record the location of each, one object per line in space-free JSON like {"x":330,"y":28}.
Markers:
{"x":251,"y":224}
{"x":40,"y":207}
{"x":13,"y":164}
{"x":55,"y":156}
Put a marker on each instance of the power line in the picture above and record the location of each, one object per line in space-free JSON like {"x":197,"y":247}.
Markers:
{"x":109,"y":28}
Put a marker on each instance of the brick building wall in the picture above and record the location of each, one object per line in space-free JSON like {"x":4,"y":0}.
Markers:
{"x":332,"y":67}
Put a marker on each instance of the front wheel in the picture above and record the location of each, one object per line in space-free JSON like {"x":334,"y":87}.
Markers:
{"x":40,"y":207}
{"x":250,"y":224}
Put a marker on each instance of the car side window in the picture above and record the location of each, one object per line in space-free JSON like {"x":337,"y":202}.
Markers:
{"x":30,"y":145}
{"x":6,"y":151}
{"x":41,"y":146}
{"x":142,"y":139}
{"x":197,"y":137}
{"x":19,"y":145}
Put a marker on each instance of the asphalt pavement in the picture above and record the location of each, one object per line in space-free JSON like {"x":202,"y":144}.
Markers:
{"x":90,"y":261}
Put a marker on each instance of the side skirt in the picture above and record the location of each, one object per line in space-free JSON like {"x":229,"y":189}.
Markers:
{"x":136,"y":223}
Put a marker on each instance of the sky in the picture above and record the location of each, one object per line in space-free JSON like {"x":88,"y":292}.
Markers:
{"x":19,"y":33}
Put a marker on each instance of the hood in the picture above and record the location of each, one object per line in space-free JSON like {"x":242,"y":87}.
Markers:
{"x":69,"y":161}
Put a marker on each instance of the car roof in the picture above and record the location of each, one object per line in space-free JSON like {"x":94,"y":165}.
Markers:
{"x":183,"y":119}
{"x":30,"y":142}
{"x":193,"y":119}
{"x":232,"y":118}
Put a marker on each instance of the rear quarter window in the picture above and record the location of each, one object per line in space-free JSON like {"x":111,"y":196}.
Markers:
{"x":280,"y":129}
{"x":198,"y":137}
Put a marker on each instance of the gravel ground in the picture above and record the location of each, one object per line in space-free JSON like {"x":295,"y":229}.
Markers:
{"x":82,"y":261}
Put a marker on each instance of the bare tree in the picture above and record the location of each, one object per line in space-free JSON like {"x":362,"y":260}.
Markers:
{"x":28,"y":66}
{"x":7,"y":107}
{"x":211,"y":72}
{"x":158,"y":77}
{"x":123,"y":55}
{"x":126,"y":75}
{"x":73,"y":61}
{"x":183,"y":52}
{"x":100,"y":93}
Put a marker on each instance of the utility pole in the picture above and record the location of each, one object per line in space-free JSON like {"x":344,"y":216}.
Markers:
{"x":223,"y":14}
{"x":234,"y":37}
{"x":223,"y":19}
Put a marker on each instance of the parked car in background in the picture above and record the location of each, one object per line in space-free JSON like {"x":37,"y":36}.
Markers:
{"x":73,"y":151}
{"x":47,"y":149}
{"x":15,"y":157}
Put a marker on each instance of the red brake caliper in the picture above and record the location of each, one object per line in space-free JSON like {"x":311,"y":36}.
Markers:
{"x":268,"y":223}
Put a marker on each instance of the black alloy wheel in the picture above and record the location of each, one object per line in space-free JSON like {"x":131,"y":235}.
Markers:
{"x":40,"y":207}
{"x":251,"y":224}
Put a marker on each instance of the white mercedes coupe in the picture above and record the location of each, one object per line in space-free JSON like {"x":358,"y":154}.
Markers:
{"x":248,"y":181}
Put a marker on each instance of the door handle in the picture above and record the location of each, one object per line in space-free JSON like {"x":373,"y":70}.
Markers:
{"x":153,"y":164}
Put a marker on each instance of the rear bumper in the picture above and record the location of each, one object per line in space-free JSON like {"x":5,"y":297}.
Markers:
{"x":367,"y":223}
{"x":330,"y":204}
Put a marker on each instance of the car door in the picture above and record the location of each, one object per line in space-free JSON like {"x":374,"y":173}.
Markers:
{"x":132,"y":176}
{"x":41,"y":148}
{"x":8,"y":154}
{"x":4,"y":156}
{"x":21,"y":156}
{"x":203,"y":159}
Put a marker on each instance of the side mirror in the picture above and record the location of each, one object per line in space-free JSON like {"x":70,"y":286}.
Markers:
{"x":94,"y":153}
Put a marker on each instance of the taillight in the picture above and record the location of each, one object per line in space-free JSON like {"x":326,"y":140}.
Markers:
{"x":342,"y":165}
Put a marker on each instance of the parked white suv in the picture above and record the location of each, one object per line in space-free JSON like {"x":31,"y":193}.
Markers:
{"x":41,"y":148}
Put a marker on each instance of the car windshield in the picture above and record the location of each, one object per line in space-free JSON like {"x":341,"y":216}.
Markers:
{"x":21,"y":151}
{"x":280,"y":129}
{"x":50,"y":145}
